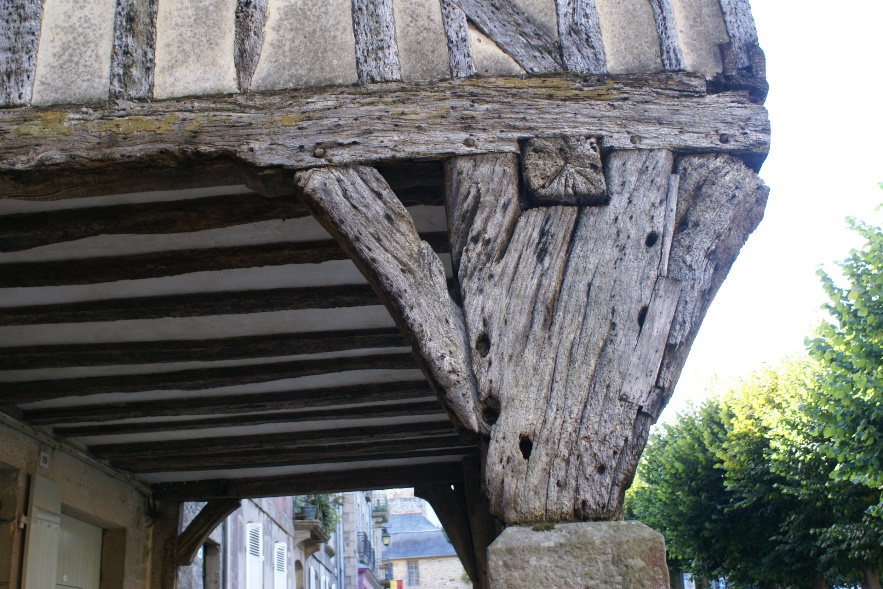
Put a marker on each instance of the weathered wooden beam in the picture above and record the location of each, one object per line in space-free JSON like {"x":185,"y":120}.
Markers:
{"x":377,"y":54}
{"x":507,"y":26}
{"x":249,"y":40}
{"x":29,"y":230}
{"x":720,"y":202}
{"x":19,"y":38}
{"x":482,"y":525}
{"x":424,"y":447}
{"x":154,"y":352}
{"x":306,"y":400}
{"x":375,"y":477}
{"x":596,"y":312}
{"x":132,"y":61}
{"x":194,"y":305}
{"x":367,"y":124}
{"x":449,"y":505}
{"x":160,"y":173}
{"x":306,"y":440}
{"x":175,"y":262}
{"x":666,"y":30}
{"x":741,"y":29}
{"x":195,"y":534}
{"x":352,"y":203}
{"x":668,"y":231}
{"x":579,"y":31}
{"x":428,"y":407}
{"x":555,"y":299}
{"x":14,"y":393}
{"x":415,"y":183}
{"x":457,"y":32}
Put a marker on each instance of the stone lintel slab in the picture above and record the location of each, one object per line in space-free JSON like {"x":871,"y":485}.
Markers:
{"x":584,"y":555}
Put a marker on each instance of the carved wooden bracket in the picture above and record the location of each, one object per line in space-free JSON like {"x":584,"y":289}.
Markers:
{"x":563,"y":171}
{"x":580,"y":318}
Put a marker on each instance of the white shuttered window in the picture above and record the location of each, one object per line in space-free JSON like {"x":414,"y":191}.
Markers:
{"x":254,"y":556}
{"x":280,"y":565}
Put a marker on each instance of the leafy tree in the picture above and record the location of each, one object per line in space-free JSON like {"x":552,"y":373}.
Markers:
{"x":849,"y":348}
{"x":847,"y":404}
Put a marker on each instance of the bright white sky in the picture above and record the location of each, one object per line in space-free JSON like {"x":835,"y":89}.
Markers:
{"x":825,"y":69}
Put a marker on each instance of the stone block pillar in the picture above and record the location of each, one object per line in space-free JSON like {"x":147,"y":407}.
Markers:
{"x":587,"y":555}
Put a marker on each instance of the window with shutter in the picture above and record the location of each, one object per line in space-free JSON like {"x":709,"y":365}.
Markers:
{"x":280,"y":565}
{"x":254,"y":556}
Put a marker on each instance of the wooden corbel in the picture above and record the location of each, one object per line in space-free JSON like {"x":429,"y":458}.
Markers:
{"x":563,"y":171}
{"x":205,"y":522}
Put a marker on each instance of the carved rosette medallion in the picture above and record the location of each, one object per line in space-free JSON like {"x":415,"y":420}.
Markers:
{"x":563,"y":171}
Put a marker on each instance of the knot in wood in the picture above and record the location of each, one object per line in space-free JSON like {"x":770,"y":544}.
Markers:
{"x":563,"y":171}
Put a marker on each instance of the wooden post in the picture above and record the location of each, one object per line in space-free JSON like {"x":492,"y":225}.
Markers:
{"x":164,"y":543}
{"x":13,"y":499}
{"x":579,"y":318}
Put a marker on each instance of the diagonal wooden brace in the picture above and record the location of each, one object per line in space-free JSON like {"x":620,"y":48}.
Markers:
{"x":363,"y":214}
{"x":212,"y":514}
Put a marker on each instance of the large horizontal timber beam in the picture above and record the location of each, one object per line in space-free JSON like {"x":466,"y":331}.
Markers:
{"x":306,"y":402}
{"x":580,"y":318}
{"x":393,"y":121}
{"x":354,"y":479}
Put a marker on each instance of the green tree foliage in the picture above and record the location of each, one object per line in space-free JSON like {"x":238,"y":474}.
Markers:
{"x":707,"y":483}
{"x":777,"y":481}
{"x":849,"y":348}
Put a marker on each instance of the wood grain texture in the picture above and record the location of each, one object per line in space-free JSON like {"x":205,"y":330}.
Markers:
{"x":194,"y":305}
{"x":155,"y":352}
{"x":201,"y":527}
{"x":459,"y":48}
{"x":395,"y":122}
{"x":426,"y":408}
{"x":173,"y":263}
{"x":741,"y":29}
{"x":579,"y":32}
{"x":720,"y":202}
{"x":251,"y":15}
{"x":19,"y":37}
{"x":360,"y":479}
{"x":158,"y":174}
{"x":29,"y":230}
{"x":555,"y":300}
{"x":358,"y":208}
{"x":15,"y":393}
{"x":507,"y":26}
{"x":671,"y":209}
{"x":132,"y":61}
{"x":307,"y":400}
{"x":449,"y":505}
{"x":563,"y":171}
{"x":666,"y":30}
{"x":220,"y":445}
{"x":483,"y":526}
{"x":377,"y":54}
{"x":422,"y":448}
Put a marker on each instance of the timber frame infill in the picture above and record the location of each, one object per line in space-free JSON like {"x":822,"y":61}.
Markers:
{"x":570,"y":325}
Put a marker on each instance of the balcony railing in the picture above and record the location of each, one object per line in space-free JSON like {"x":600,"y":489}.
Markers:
{"x":380,"y":509}
{"x":365,"y":550}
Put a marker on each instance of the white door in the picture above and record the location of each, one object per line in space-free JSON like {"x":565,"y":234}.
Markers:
{"x":79,"y":554}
